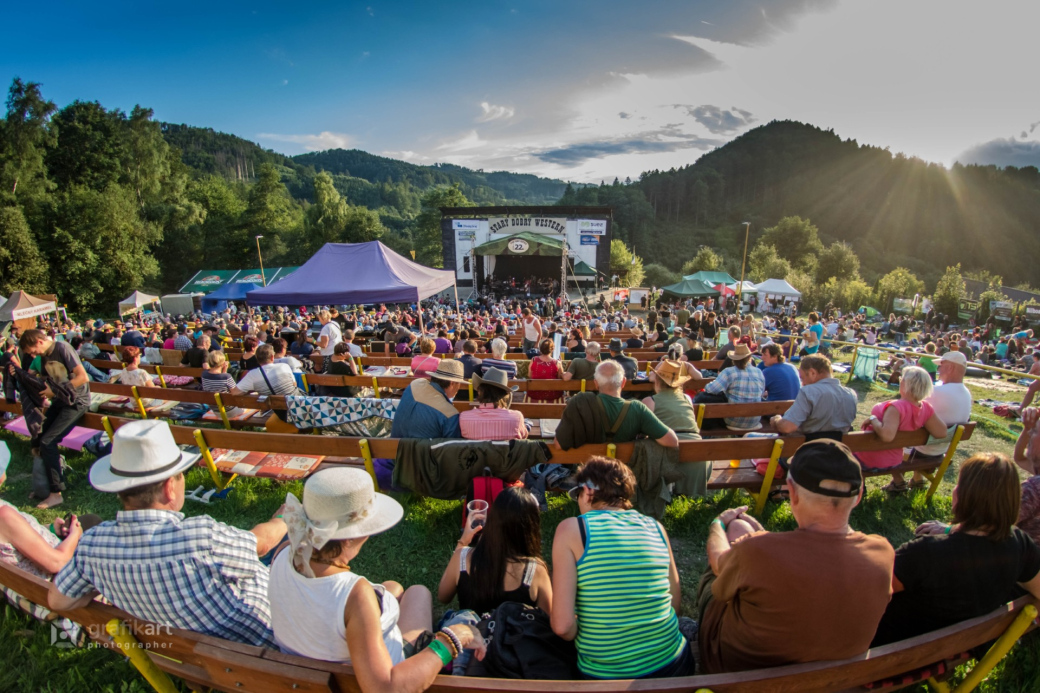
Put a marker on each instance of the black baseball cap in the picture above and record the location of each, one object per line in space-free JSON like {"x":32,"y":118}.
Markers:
{"x":826,"y":460}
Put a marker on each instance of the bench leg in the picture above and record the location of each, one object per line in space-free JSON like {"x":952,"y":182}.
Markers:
{"x":937,"y":476}
{"x":129,"y":646}
{"x":370,"y":467}
{"x":207,"y":457}
{"x":1000,"y":648}
{"x":938,"y":686}
{"x":223,"y":411}
{"x":767,"y":480}
{"x":700,"y":416}
{"x":852,"y":369}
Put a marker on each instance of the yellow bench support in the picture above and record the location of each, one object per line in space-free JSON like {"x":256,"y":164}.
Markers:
{"x":366,"y":452}
{"x":137,"y":655}
{"x":140,"y":404}
{"x":162,"y":380}
{"x":700,"y":415}
{"x":611,"y":451}
{"x":207,"y":457}
{"x":306,"y":387}
{"x":375,"y":385}
{"x":852,"y":369}
{"x":996,"y":653}
{"x":583,"y":384}
{"x":767,"y":480}
{"x":222,"y":410}
{"x":108,"y":428}
{"x":936,"y":477}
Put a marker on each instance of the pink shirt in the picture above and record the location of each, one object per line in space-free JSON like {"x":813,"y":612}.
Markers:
{"x":423,"y":365}
{"x":911,"y":418}
{"x":486,"y":422}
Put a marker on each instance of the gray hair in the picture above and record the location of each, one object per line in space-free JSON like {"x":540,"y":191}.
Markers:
{"x":918,"y":382}
{"x":593,"y":349}
{"x":609,"y":375}
{"x":499,"y":347}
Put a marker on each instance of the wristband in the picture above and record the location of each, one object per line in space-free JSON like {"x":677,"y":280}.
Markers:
{"x":948,"y":528}
{"x":721,"y":523}
{"x":455,"y":641}
{"x":441,"y":650}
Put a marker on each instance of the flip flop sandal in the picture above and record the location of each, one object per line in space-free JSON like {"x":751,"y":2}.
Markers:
{"x":896,"y":488}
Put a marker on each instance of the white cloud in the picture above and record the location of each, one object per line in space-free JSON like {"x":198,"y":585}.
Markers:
{"x":492,"y":112}
{"x":312,"y":143}
{"x":471,"y":140}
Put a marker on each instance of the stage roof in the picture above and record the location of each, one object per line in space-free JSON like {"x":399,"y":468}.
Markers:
{"x":523,"y":243}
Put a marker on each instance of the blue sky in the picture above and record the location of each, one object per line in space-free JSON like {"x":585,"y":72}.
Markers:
{"x":579,"y":90}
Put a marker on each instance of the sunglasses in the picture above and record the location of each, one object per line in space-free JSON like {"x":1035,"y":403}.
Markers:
{"x":574,"y":492}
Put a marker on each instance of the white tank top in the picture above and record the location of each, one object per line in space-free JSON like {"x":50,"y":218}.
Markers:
{"x":307,"y":613}
{"x":530,"y":331}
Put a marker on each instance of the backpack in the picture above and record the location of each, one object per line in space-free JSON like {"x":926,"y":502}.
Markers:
{"x":521,"y":645}
{"x":485,"y":488}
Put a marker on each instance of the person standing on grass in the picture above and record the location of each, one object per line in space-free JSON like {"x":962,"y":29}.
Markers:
{"x":151,"y":561}
{"x":67,"y":386}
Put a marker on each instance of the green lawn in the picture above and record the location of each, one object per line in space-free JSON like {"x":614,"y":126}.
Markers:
{"x":418,"y":549}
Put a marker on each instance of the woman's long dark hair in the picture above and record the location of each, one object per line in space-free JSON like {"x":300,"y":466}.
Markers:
{"x":513,"y":533}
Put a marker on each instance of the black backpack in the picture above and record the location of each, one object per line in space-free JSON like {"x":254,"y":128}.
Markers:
{"x":521,"y":645}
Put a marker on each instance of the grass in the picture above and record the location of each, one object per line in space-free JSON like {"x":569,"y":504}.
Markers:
{"x":417,"y":550}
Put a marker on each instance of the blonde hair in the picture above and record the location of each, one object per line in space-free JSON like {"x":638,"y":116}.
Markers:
{"x":215,"y":359}
{"x":427,"y":345}
{"x":918,"y":382}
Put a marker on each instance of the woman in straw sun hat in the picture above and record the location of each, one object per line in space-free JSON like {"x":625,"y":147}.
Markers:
{"x":675,"y":409}
{"x":321,"y":609}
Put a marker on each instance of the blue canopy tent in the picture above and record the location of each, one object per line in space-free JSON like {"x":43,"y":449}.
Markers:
{"x":218,"y":300}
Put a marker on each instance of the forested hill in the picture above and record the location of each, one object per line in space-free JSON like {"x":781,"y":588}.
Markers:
{"x":894,"y":210}
{"x":364,"y":179}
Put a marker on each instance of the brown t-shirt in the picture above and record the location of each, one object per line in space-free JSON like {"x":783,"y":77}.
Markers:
{"x":790,"y":597}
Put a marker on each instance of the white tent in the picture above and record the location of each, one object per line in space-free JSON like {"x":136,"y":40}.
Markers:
{"x":135,"y":301}
{"x":22,"y":305}
{"x":746,"y":288}
{"x":777,"y":287}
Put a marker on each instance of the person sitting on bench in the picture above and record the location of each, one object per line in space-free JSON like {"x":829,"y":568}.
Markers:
{"x":951,"y":573}
{"x":823,"y":408}
{"x":818,"y":593}
{"x":192,"y":573}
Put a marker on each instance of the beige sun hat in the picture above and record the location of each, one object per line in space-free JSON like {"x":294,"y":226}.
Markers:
{"x":451,"y":370}
{"x":740,"y":352}
{"x":672,"y":373}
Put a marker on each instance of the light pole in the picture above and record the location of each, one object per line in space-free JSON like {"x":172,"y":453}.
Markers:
{"x":259,"y":255}
{"x":743,"y":264}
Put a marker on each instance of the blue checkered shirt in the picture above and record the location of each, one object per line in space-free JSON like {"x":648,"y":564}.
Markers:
{"x":741,"y":387}
{"x":182,"y":342}
{"x":196,"y":573}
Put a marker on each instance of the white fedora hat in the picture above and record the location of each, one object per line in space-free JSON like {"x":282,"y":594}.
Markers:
{"x":143,"y":452}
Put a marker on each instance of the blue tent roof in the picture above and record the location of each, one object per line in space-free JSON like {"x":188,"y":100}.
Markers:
{"x":217,"y":301}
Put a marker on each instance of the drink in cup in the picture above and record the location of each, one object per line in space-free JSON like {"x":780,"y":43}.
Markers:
{"x":479,"y":509}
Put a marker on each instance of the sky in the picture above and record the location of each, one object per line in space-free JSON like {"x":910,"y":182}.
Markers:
{"x":578,"y":90}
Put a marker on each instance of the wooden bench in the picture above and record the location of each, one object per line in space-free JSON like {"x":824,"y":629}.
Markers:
{"x":206,"y":662}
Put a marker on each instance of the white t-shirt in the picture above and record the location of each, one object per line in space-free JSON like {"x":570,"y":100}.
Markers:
{"x":332,"y":331}
{"x":951,"y":403}
{"x":531,"y":329}
{"x":355,"y":350}
{"x":281,"y":376}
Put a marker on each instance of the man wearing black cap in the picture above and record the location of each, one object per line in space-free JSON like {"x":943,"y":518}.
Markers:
{"x":617,"y":353}
{"x":817,"y":593}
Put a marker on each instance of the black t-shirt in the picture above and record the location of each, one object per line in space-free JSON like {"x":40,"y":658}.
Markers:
{"x":629,"y":364}
{"x":708,"y":329}
{"x":340,"y":368}
{"x":948,"y":579}
{"x":195,"y":357}
{"x":695,"y":354}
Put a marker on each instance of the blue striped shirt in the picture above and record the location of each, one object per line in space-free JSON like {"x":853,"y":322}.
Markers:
{"x":196,"y":573}
{"x":626,"y":625}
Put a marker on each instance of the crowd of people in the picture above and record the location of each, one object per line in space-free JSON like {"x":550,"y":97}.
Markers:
{"x":614,"y":588}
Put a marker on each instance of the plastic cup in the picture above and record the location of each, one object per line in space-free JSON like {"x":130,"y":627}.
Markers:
{"x":477,"y":507}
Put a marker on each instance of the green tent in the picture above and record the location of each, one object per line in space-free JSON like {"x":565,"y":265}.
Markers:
{"x":712,"y":278}
{"x":868,"y":311}
{"x":523,"y":243}
{"x":689,"y":288}
{"x":582,"y":269}
{"x":206,"y":281}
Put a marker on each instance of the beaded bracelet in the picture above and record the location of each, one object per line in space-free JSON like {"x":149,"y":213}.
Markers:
{"x":454,"y":639}
{"x":441,"y":650}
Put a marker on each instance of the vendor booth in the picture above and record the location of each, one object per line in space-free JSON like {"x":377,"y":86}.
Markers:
{"x":22,"y":309}
{"x":135,"y":302}
{"x":689,"y":288}
{"x":777,"y":296}
{"x":712,"y":278}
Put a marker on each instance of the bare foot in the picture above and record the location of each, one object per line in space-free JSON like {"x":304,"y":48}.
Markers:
{"x":51,"y":501}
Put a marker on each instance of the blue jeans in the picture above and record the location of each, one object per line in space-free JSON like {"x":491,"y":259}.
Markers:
{"x":453,"y":617}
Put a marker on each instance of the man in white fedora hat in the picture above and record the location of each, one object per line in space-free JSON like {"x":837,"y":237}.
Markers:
{"x":153,"y":562}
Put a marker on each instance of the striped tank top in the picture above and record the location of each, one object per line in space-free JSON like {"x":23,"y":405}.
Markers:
{"x":626,"y":625}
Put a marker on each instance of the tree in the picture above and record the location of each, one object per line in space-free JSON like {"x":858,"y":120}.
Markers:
{"x":24,"y":139}
{"x":949,"y":291}
{"x":765,"y":263}
{"x":22,"y":267}
{"x":706,"y":260}
{"x":270,"y":212}
{"x":331,"y":220}
{"x":659,"y":275}
{"x":623,"y":263}
{"x":796,"y":240}
{"x":429,"y":248}
{"x":899,"y":283}
{"x":839,"y":260}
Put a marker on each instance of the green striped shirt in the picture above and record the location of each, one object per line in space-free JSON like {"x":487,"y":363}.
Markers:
{"x":626,"y":625}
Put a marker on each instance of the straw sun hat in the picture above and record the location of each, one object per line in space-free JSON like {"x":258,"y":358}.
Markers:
{"x":338,"y":503}
{"x":672,"y":373}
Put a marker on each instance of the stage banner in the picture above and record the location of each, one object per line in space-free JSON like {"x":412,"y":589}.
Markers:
{"x":537,"y":224}
{"x":589,"y":240}
{"x":1033,"y":312}
{"x":1001,"y":310}
{"x":465,"y":224}
{"x":592,"y":227}
{"x":466,"y":234}
{"x":902,"y":305}
{"x":966,"y":308}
